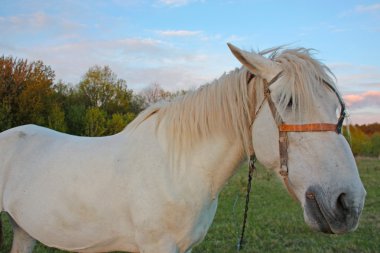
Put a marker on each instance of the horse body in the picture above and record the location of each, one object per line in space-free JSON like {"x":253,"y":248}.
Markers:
{"x":95,"y":202}
{"x":154,"y":186}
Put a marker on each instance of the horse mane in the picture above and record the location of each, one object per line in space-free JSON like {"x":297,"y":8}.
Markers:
{"x":305,"y":81}
{"x":221,"y":106}
{"x":225,"y":105}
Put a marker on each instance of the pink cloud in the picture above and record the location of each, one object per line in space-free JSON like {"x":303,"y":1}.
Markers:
{"x":364,"y":107}
{"x":368,"y":98}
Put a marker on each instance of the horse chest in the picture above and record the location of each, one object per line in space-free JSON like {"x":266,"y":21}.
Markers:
{"x":194,"y":227}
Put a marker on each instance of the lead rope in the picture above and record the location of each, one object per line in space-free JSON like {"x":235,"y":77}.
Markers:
{"x":252,"y":168}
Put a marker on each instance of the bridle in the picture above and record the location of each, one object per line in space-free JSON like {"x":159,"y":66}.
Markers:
{"x":284,"y":129}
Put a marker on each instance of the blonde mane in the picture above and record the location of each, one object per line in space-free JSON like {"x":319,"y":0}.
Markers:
{"x":226,"y":104}
{"x":218,"y":107}
{"x":304,"y":83}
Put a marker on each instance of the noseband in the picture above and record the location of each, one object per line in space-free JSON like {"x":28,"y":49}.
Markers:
{"x":284,"y":128}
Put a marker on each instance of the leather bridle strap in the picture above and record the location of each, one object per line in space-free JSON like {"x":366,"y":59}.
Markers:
{"x":284,"y":128}
{"x":314,"y":127}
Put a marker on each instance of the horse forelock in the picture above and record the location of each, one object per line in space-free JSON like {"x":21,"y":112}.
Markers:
{"x":305,"y":80}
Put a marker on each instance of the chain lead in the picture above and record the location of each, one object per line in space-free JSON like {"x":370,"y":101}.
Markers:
{"x":251,"y":169}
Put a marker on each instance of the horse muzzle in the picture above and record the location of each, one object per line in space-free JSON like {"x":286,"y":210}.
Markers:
{"x":334,"y":215}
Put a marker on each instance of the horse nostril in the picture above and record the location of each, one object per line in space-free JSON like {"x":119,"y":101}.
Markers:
{"x":310,"y":195}
{"x":342,"y":202}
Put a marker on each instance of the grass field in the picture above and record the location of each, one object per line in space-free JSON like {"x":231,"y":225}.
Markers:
{"x":275,"y":222}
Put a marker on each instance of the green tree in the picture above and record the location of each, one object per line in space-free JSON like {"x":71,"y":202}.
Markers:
{"x":116,"y":123}
{"x":375,"y":144}
{"x":100,"y":104}
{"x":137,"y":104}
{"x":360,"y":142}
{"x":95,"y":122}
{"x":76,"y":118}
{"x":101,"y":88}
{"x":25,"y":92}
{"x":56,"y":118}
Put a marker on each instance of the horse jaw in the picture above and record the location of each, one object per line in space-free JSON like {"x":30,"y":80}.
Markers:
{"x":324,"y":174}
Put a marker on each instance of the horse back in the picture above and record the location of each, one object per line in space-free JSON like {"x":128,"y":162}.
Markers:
{"x":14,"y":140}
{"x":16,"y":144}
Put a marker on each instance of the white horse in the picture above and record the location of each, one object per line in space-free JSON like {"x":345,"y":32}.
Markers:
{"x":154,"y":187}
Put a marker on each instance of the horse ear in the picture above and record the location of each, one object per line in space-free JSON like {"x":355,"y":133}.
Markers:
{"x":257,"y":64}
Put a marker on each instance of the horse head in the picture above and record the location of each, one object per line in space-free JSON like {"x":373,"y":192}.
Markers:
{"x":296,"y":131}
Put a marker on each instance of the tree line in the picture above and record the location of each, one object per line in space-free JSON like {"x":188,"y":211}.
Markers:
{"x":364,"y":139}
{"x":100,"y":104}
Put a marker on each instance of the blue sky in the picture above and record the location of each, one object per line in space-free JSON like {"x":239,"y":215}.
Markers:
{"x":181,"y":44}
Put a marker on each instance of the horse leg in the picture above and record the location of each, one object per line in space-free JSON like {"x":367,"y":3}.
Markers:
{"x":22,"y":242}
{"x":160,"y":249}
{"x":160,"y":245}
{"x":1,"y":232}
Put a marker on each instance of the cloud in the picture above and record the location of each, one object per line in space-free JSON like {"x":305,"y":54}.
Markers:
{"x":356,"y":78}
{"x":71,"y":60}
{"x":173,"y":79}
{"x":37,"y":20}
{"x":176,"y":3}
{"x":364,"y":116}
{"x":368,"y":8}
{"x":368,"y":98}
{"x":140,"y":61}
{"x":178,"y":33}
{"x":364,"y":107}
{"x":360,"y":86}
{"x":40,"y":25}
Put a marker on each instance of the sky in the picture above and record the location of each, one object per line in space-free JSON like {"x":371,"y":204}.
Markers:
{"x":181,"y":44}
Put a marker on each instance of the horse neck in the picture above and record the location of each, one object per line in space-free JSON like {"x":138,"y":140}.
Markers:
{"x":221,"y":107}
{"x":221,"y":158}
{"x":210,"y":162}
{"x":209,"y":129}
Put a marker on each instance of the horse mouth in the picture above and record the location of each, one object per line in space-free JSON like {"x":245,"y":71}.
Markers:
{"x":314,"y":215}
{"x":321,"y":216}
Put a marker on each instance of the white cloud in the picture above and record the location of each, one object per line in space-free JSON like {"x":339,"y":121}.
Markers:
{"x":235,"y":38}
{"x":368,"y":8}
{"x":170,"y":78}
{"x":178,"y":33}
{"x":174,"y":2}
{"x":356,"y":78}
{"x":26,"y":21}
{"x":177,"y":3}
{"x":40,"y":24}
{"x":139,"y":61}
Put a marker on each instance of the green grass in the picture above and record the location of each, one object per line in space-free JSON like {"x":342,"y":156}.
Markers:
{"x":275,"y":221}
